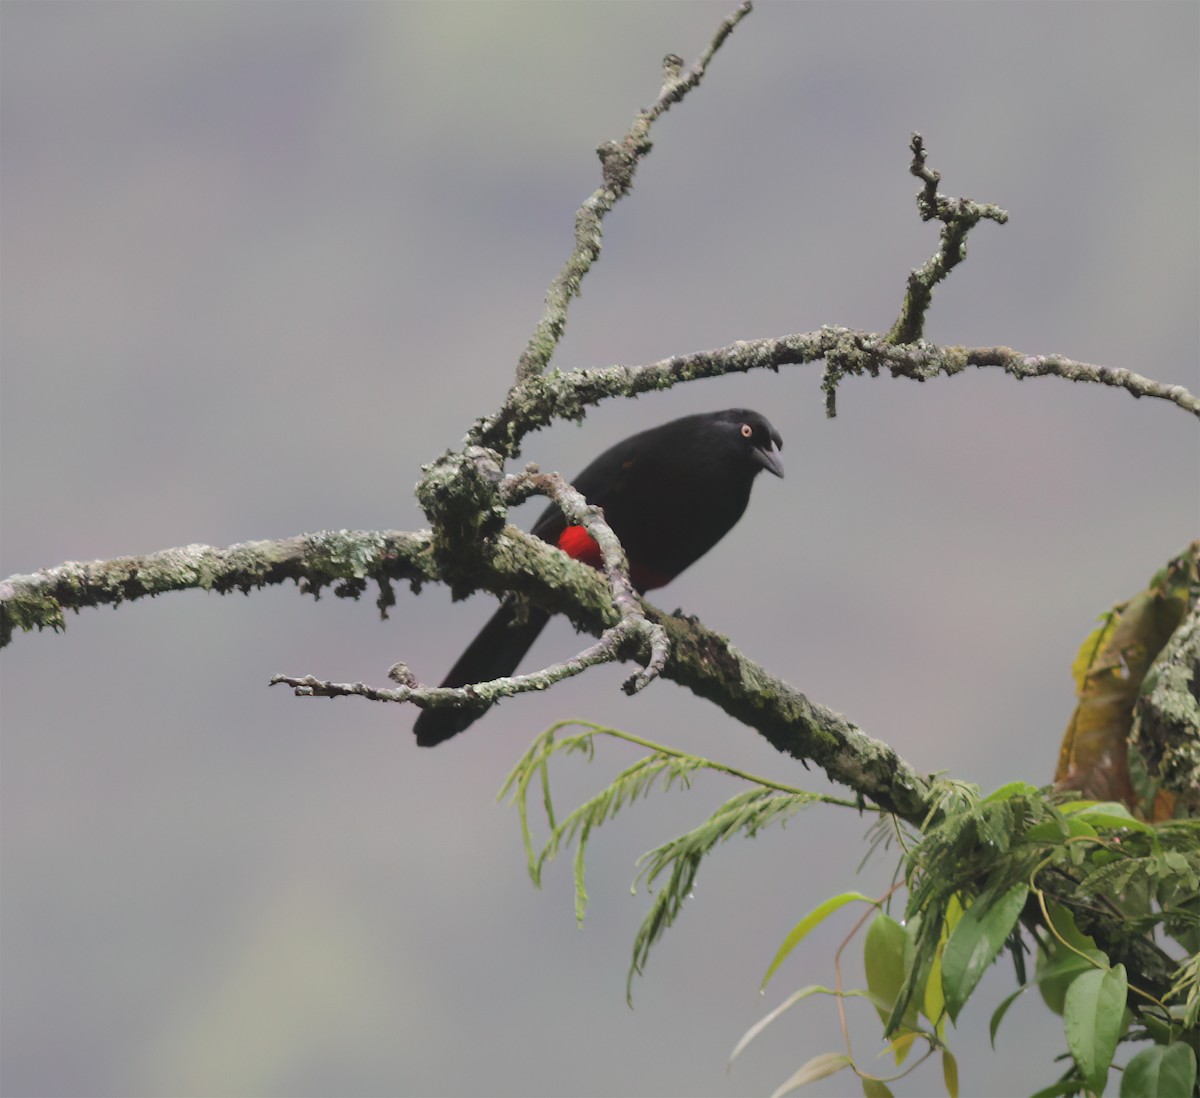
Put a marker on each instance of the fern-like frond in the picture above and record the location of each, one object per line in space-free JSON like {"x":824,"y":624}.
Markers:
{"x":1186,"y":990}
{"x":633,"y":782}
{"x":765,"y":802}
{"x":679,"y":859}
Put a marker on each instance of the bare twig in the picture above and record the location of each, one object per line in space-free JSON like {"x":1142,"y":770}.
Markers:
{"x":410,"y":689}
{"x":958,"y":216}
{"x":619,"y":161}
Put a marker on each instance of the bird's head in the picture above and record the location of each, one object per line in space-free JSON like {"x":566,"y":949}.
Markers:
{"x":760,"y":441}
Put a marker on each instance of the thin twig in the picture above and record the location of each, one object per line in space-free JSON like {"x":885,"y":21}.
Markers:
{"x":619,"y":161}
{"x":958,"y":216}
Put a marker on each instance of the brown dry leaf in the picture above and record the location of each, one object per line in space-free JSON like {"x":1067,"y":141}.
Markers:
{"x":1109,"y":672}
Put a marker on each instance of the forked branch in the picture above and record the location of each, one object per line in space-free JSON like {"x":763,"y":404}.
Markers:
{"x":466,"y":497}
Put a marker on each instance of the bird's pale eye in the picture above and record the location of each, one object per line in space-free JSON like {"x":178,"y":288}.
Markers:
{"x":747,"y":431}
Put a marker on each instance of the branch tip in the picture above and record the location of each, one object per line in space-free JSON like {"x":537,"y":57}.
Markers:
{"x":619,"y":160}
{"x":958,"y":216}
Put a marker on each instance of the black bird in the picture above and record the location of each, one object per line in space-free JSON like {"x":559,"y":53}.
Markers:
{"x":670,"y":494}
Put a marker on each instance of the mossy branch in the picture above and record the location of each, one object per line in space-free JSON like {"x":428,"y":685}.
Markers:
{"x":566,"y":395}
{"x":345,"y":560}
{"x":958,"y":217}
{"x":470,"y":548}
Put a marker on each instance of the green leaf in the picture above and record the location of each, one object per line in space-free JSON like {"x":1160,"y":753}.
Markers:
{"x":883,"y":956}
{"x":1059,"y":966}
{"x":975,"y":942}
{"x":1055,"y":971}
{"x":1002,"y":1010}
{"x":934,"y":1003}
{"x":813,"y":919}
{"x":1113,"y":808}
{"x":1059,"y":969}
{"x":1064,"y":924}
{"x":950,"y":1072}
{"x":875,"y":1088}
{"x":1115,"y":821}
{"x":954,"y":913}
{"x":1105,"y":814}
{"x":1093,"y":1014}
{"x":819,"y":1067}
{"x":1009,"y":791}
{"x":1054,"y":831}
{"x":581,"y":896}
{"x":1160,"y":1072}
{"x":901,"y":1045}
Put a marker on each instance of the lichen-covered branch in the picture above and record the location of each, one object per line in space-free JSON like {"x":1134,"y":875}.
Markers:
{"x":845,"y":351}
{"x":923,"y":361}
{"x":343,"y":559}
{"x":701,"y":660}
{"x":958,"y":217}
{"x":712,"y":668}
{"x":466,"y":496}
{"x":619,"y":161}
{"x":1166,"y":729}
{"x":632,"y":625}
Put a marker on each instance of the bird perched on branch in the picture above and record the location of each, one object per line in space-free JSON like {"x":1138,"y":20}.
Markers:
{"x":670,"y":494}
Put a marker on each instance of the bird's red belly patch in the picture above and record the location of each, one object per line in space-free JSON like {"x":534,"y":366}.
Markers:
{"x":576,"y":542}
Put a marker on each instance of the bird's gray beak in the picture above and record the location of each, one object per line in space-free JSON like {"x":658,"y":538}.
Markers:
{"x":769,"y":460}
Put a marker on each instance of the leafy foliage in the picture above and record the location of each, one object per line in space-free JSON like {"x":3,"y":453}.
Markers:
{"x":1021,"y":868}
{"x":1094,"y":893}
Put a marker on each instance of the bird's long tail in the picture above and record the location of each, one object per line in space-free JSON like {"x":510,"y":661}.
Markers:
{"x":493,"y":654}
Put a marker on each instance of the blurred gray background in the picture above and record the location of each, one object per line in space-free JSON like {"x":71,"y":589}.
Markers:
{"x":261,"y":261}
